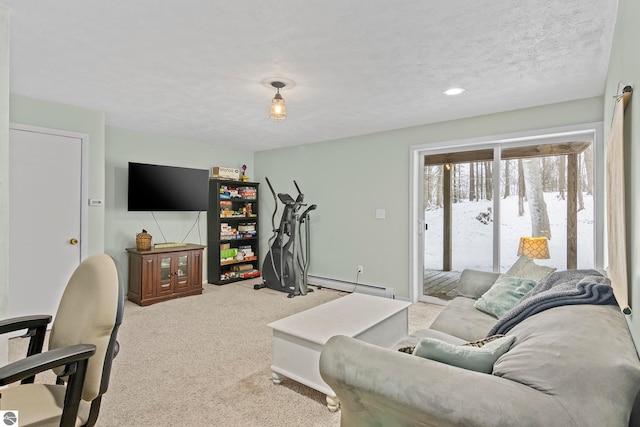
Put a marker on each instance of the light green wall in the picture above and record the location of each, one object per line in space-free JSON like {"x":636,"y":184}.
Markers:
{"x":111,"y":227}
{"x":624,"y":67}
{"x":350,"y":178}
{"x":53,"y":115}
{"x":4,"y":173}
{"x":124,"y":146}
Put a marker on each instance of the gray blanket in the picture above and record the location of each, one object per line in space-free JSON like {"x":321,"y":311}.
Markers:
{"x":568,"y":287}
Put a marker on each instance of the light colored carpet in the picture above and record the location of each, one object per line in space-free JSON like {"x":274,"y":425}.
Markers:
{"x":204,"y":360}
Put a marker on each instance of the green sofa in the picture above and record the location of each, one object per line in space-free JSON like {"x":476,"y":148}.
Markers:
{"x":569,"y":366}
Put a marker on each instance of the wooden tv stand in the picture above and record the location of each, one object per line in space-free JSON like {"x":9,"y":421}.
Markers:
{"x":162,"y":274}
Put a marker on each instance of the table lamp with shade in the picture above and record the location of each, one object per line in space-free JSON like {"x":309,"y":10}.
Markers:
{"x":534,"y":247}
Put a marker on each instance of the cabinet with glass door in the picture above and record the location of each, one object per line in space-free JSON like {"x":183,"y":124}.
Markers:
{"x":161,"y":274}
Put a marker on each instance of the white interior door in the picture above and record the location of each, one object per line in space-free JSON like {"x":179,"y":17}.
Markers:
{"x":45,"y":191}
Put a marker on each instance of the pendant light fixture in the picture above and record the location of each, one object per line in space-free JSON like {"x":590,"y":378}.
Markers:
{"x":278,"y":108}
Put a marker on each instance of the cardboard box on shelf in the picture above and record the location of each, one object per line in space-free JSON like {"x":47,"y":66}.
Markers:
{"x":222,"y":172}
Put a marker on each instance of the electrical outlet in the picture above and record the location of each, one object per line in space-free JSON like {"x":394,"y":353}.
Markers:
{"x":360,"y":269}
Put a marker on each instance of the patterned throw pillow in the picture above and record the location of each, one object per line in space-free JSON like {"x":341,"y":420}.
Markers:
{"x":483,"y":341}
{"x":409,"y":348}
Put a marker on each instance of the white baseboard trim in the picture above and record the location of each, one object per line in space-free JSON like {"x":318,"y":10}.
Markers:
{"x":433,"y":300}
{"x":343,"y":285}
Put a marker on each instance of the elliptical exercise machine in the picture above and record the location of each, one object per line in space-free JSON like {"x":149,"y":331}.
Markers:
{"x":286,"y":266}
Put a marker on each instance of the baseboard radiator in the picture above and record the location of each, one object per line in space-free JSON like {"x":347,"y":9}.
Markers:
{"x":343,"y":285}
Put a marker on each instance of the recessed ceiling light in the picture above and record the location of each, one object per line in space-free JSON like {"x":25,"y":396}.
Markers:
{"x":454,"y":91}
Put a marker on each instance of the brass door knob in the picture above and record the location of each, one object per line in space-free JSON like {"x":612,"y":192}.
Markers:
{"x":73,"y":241}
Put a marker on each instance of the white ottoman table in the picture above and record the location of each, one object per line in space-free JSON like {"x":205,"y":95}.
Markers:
{"x":298,"y":339}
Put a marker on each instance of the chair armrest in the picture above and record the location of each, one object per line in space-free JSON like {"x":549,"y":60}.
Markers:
{"x":74,"y":358}
{"x":36,"y":326}
{"x":41,"y":362}
{"x":380,"y":386}
{"x":24,"y":322}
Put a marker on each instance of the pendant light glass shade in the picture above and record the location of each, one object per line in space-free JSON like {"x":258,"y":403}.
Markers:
{"x":278,"y":107}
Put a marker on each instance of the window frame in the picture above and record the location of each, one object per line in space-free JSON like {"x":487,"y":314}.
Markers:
{"x":591,"y":132}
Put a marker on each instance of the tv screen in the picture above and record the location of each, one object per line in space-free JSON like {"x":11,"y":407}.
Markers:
{"x":167,"y":188}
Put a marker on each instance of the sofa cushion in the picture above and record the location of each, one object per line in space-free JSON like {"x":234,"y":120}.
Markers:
{"x":504,"y":294}
{"x":525,"y":267}
{"x":473,"y":357}
{"x":461,"y":320}
{"x":474,"y":283}
{"x":581,"y":354}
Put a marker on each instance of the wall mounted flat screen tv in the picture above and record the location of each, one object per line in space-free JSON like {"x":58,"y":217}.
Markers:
{"x":167,"y":188}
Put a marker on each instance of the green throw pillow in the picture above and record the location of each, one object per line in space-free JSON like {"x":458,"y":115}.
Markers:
{"x":480,"y":359}
{"x":504,"y":294}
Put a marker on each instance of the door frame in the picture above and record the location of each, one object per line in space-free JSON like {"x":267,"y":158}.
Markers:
{"x":84,"y":167}
{"x":592,"y":131}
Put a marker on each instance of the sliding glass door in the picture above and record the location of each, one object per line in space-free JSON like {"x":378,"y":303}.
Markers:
{"x":483,"y":213}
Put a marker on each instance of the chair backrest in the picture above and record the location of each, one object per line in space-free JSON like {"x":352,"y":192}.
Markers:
{"x":90,"y":312}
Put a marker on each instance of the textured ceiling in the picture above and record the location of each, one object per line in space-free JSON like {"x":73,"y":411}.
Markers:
{"x":195,"y":68}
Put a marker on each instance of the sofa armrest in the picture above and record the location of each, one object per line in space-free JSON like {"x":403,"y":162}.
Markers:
{"x":379,"y":386}
{"x":474,"y":283}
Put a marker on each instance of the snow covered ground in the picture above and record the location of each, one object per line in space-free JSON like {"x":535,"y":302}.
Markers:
{"x":472,"y":240}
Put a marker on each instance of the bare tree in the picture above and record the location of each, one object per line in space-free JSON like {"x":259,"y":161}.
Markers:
{"x":535,"y":197}
{"x":479,"y":192}
{"x":439,"y":180}
{"x":488,"y":175}
{"x":472,"y":183}
{"x":460,"y":183}
{"x":426,"y":188}
{"x":582,"y":180}
{"x":588,"y":164}
{"x":455,"y":177}
{"x":521,"y":188}
{"x":507,"y":178}
{"x":430,"y":186}
{"x":580,"y":200}
{"x":562,"y":179}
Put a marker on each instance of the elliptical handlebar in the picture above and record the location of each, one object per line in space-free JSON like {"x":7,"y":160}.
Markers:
{"x":300,"y":197}
{"x":275,"y":202}
{"x":309,"y":209}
